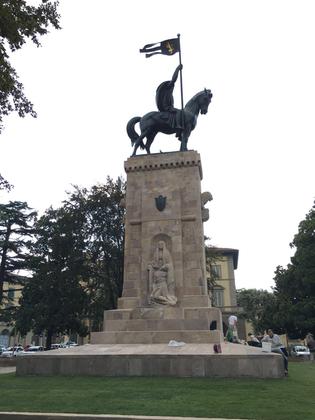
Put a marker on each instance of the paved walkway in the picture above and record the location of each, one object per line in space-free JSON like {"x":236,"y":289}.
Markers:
{"x":7,"y":369}
{"x":61,"y":416}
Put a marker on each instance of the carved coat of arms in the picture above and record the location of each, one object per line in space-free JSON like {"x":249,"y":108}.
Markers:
{"x":160,"y":202}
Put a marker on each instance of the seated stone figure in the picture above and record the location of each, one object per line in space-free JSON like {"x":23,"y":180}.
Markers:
{"x":161,"y":277}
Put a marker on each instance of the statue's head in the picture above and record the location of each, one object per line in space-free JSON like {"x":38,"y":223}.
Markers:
{"x":204,"y":100}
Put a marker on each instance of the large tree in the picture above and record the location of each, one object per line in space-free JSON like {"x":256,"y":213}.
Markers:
{"x":103,"y":233}
{"x":258,"y":308}
{"x":20,"y":22}
{"x":54,"y":300}
{"x":16,"y":230}
{"x":295,"y":284}
{"x":77,"y":263}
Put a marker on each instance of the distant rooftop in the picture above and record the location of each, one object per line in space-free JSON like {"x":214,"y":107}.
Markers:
{"x":226,"y":252}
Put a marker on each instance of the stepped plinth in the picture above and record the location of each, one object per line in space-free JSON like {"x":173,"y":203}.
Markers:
{"x":165,"y":292}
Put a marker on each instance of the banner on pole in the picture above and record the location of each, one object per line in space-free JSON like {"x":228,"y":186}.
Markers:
{"x":167,"y":47}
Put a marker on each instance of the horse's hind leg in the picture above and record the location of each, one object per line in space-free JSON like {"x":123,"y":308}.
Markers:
{"x":150,"y":138}
{"x":138,"y":142}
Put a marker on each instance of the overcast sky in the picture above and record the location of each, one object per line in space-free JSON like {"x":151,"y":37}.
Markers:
{"x":256,"y":142}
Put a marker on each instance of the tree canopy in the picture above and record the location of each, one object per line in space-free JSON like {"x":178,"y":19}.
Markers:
{"x":295,"y":284}
{"x":20,"y":22}
{"x":291,"y":307}
{"x":258,"y":308}
{"x":4,"y":184}
{"x":53,"y":301}
{"x":77,"y":263}
{"x":16,"y":230}
{"x":102,"y":235}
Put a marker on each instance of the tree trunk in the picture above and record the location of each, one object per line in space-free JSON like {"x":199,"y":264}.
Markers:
{"x":4,"y":259}
{"x":49,"y":339}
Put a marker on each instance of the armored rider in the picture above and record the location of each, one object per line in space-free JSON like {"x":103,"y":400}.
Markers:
{"x":165,"y":102}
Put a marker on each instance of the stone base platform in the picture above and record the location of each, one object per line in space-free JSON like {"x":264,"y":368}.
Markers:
{"x":188,"y":360}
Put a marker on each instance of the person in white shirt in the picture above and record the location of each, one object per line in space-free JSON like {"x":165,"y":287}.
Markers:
{"x":253,"y":340}
{"x":232,"y":320}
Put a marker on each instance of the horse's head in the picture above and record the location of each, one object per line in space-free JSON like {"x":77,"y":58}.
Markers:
{"x":199,"y":102}
{"x":204,"y":100}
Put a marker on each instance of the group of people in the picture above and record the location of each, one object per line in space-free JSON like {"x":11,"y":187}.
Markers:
{"x":269,"y":337}
{"x":276,"y":345}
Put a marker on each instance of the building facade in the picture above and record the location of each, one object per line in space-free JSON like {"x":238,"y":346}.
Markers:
{"x":221,"y":265}
{"x":8,"y":334}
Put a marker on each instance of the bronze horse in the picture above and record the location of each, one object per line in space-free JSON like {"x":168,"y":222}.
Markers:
{"x":163,"y":122}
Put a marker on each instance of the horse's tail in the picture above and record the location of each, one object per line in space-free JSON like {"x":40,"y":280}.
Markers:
{"x":132,"y":134}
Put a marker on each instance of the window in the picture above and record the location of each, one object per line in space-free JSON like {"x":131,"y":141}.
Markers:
{"x":4,"y":338}
{"x":216,"y":271}
{"x":218,"y":297}
{"x":11,"y":294}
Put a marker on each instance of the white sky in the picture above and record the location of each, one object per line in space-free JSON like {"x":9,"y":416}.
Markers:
{"x":256,"y":142}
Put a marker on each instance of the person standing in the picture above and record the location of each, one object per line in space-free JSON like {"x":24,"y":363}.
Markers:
{"x":310,"y":342}
{"x":277,"y":347}
{"x":231,"y":334}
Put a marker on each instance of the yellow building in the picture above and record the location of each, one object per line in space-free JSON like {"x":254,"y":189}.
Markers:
{"x":11,"y":298}
{"x":8,"y":335}
{"x":221,"y":264}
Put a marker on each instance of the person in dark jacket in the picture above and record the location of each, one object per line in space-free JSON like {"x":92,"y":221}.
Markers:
{"x":310,"y":342}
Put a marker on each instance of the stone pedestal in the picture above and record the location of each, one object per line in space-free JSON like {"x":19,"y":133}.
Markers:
{"x":163,"y":221}
{"x":165,"y":292}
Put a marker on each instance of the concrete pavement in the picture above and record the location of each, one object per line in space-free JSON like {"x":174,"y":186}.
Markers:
{"x":7,"y":369}
{"x":68,"y":416}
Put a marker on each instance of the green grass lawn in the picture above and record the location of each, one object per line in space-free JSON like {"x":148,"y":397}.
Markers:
{"x":289,"y":398}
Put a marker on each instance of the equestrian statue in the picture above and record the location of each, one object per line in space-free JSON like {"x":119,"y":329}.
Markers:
{"x":168,"y":120}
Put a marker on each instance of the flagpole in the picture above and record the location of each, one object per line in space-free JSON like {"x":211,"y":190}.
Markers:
{"x":181,"y":82}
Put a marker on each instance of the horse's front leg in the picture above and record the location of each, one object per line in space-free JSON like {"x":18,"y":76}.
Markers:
{"x":184,"y":139}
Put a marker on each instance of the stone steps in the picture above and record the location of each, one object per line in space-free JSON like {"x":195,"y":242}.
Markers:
{"x":153,"y":337}
{"x":160,"y":324}
{"x":156,"y":324}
